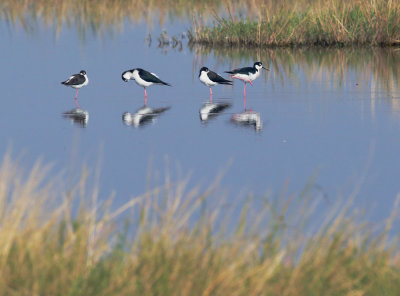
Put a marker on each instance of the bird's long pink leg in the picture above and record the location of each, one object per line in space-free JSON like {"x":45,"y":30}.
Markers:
{"x":145,"y":96}
{"x":211,"y":94}
{"x":76,"y":99}
{"x":244,"y":97}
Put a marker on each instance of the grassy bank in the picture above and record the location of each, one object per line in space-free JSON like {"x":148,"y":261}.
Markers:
{"x":50,"y":247}
{"x":255,"y":23}
{"x":326,"y":23}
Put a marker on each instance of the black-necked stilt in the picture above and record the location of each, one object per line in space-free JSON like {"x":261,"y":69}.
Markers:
{"x":247,"y":74}
{"x":143,"y":78}
{"x":77,"y":81}
{"x":210,"y":78}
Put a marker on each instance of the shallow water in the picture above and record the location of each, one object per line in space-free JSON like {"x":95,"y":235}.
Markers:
{"x":328,"y":115}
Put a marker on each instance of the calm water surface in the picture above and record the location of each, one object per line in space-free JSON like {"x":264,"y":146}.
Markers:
{"x":328,"y":114}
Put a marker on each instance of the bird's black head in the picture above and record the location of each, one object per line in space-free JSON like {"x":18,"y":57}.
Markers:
{"x":83,"y":72}
{"x":259,"y":65}
{"x":205,"y":69}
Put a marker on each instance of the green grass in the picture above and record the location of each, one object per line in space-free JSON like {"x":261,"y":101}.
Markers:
{"x":333,"y":22}
{"x":184,"y":241}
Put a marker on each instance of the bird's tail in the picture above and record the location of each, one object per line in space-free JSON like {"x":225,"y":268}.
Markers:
{"x":165,"y":83}
{"x":227,"y":82}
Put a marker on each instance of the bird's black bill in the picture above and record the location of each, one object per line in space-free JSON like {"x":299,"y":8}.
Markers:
{"x":265,"y":68}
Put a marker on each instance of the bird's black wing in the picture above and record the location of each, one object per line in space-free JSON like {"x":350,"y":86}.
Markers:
{"x":216,"y":78}
{"x":147,"y":76}
{"x":245,"y":70}
{"x":75,"y":79}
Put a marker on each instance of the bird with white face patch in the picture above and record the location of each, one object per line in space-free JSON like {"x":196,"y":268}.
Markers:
{"x":77,"y":81}
{"x":143,"y":78}
{"x":210,"y":79}
{"x":247,"y":74}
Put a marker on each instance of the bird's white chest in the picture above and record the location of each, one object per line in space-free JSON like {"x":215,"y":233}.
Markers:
{"x":86,"y":81}
{"x":139,"y":80}
{"x":255,"y":75}
{"x":206,"y":80}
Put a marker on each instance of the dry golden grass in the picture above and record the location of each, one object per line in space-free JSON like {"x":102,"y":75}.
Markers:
{"x":181,"y":241}
{"x":257,"y":22}
{"x":333,"y":22}
{"x":250,"y":23}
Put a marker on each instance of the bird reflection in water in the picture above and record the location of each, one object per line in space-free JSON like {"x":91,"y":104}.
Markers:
{"x":77,"y":116}
{"x":248,"y":118}
{"x":142,"y":116}
{"x":210,"y":110}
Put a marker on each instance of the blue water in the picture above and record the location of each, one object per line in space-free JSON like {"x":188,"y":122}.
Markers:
{"x":342,"y":134}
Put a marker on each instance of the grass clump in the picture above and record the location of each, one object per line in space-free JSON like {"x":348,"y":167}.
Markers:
{"x":177,"y":241}
{"x":326,"y":23}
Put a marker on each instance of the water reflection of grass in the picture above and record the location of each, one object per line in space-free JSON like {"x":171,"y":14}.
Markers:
{"x":372,"y":67}
{"x":180,"y":245}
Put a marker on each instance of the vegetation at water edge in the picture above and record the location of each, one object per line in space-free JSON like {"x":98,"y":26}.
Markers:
{"x":322,"y":23}
{"x":61,"y":240}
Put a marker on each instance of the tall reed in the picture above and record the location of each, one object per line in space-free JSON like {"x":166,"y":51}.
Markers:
{"x":181,"y":241}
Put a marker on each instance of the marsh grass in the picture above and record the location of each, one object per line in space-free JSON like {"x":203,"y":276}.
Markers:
{"x":326,"y":23}
{"x":175,"y":242}
{"x":249,"y":23}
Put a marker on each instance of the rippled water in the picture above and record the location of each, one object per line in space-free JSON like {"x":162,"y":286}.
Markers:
{"x":327,"y":115}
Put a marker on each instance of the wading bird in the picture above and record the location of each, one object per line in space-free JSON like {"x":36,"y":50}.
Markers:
{"x":77,"y":81}
{"x":247,"y":74}
{"x":142,"y":78}
{"x":210,"y":78}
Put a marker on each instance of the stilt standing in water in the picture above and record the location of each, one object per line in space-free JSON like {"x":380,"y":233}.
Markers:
{"x":210,"y":79}
{"x":247,"y":74}
{"x":143,"y":78}
{"x":77,"y":81}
